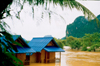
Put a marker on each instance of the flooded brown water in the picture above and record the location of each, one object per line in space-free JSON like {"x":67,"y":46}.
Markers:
{"x":75,"y":58}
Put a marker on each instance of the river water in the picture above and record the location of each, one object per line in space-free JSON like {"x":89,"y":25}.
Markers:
{"x":74,"y":58}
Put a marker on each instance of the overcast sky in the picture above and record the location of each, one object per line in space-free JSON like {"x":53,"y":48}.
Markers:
{"x":37,"y":27}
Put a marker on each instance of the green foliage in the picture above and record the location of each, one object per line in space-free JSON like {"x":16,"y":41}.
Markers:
{"x":94,"y":47}
{"x":60,"y":42}
{"x":63,"y":3}
{"x":92,"y":41}
{"x":77,"y":44}
{"x":64,"y":41}
{"x":7,"y":56}
{"x":74,"y":43}
{"x":89,"y":40}
{"x":7,"y":41}
{"x":10,"y":60}
{"x":27,"y":41}
{"x":84,"y":46}
{"x":5,"y":8}
{"x":70,"y":41}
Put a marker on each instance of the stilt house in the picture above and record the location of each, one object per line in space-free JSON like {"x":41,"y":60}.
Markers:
{"x":22,"y":51}
{"x":45,"y":48}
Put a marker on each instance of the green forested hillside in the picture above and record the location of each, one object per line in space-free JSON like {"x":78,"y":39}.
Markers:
{"x":82,"y":26}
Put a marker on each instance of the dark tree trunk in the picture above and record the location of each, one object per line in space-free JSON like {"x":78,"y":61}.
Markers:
{"x":94,"y":50}
{"x":3,"y":6}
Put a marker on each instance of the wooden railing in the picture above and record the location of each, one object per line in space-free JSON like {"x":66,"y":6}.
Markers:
{"x":26,"y":62}
{"x":48,"y":60}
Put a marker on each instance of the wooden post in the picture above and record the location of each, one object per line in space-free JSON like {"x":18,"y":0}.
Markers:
{"x":46,"y":56}
{"x":60,"y":57}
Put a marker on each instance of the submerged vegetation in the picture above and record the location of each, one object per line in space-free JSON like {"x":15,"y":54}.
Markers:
{"x":73,"y":42}
{"x":89,"y":42}
{"x":92,"y":41}
{"x":60,"y":42}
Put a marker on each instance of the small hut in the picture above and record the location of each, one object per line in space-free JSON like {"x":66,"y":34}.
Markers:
{"x":22,"y":51}
{"x":45,"y":48}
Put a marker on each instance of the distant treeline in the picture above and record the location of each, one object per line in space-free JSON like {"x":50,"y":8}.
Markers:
{"x":89,"y":42}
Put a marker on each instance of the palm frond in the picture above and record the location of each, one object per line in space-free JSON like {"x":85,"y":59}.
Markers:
{"x":63,"y":3}
{"x":7,"y":50}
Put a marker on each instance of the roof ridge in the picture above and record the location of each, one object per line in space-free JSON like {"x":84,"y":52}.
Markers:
{"x":40,"y":42}
{"x":41,"y":37}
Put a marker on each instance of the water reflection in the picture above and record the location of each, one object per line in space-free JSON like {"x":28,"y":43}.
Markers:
{"x":75,"y":58}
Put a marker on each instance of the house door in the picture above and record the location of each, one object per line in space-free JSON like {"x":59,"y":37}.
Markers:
{"x":27,"y":61}
{"x":38,"y":56}
{"x":46,"y":57}
{"x":27,"y":58}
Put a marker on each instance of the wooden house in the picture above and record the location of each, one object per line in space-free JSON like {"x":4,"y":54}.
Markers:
{"x":45,"y":48}
{"x":22,"y":51}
